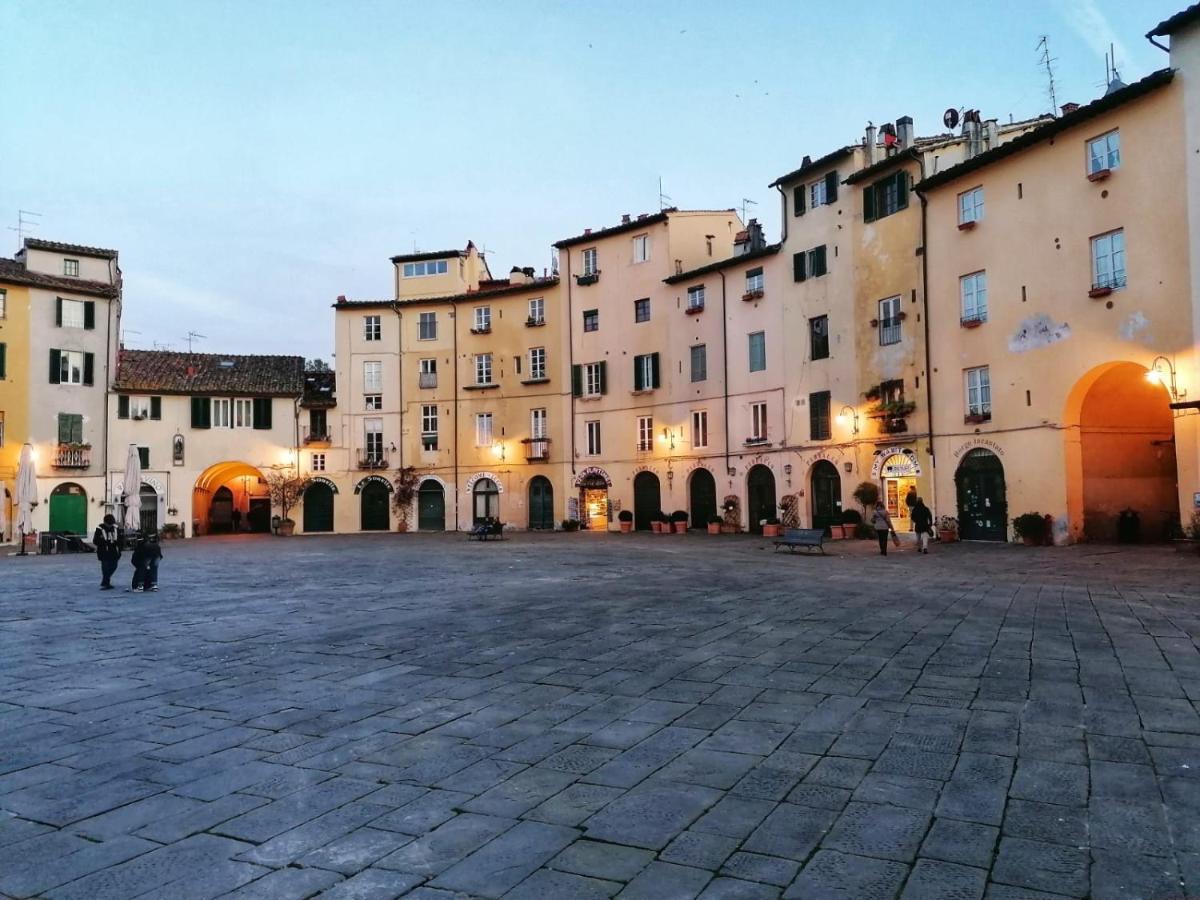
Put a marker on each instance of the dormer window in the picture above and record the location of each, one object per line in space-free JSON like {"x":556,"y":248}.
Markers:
{"x":421,"y":269}
{"x":71,"y":268}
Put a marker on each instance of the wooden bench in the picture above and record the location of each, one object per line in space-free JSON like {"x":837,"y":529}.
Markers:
{"x":485,"y":530}
{"x":808,"y":538}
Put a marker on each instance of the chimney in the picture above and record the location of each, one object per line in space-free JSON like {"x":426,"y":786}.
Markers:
{"x":971,"y":132}
{"x":341,"y":298}
{"x":869,"y":144}
{"x":904,"y":132}
{"x":625,"y":219}
{"x":750,"y":239}
{"x":529,"y":272}
{"x":991,"y":134}
{"x":520,"y":276}
{"x":1068,"y":108}
{"x":587,"y":231}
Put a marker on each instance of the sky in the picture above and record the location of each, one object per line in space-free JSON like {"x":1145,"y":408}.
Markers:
{"x":252,"y":161}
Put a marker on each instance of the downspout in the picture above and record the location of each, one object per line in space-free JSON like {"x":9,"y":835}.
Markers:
{"x":454,"y":369}
{"x":109,"y":380}
{"x":296,"y":401}
{"x":570,"y":354}
{"x":783,"y":218}
{"x":925,"y":313}
{"x":725,"y":368}
{"x":1163,"y":48}
{"x":400,"y":373}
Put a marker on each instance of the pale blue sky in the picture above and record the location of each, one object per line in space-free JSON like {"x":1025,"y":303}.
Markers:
{"x":251,"y":161}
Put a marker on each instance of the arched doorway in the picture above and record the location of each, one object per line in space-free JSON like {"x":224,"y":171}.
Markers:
{"x":431,"y":506}
{"x":485,"y":500}
{"x":826,"y":495}
{"x":318,"y":507}
{"x":760,"y":496}
{"x":702,"y":497}
{"x":1124,"y":455}
{"x":592,"y":509}
{"x":982,"y":497}
{"x":220,"y":511}
{"x":230,"y":492}
{"x":68,"y":509}
{"x":541,"y":503}
{"x":149,"y":502}
{"x":647,"y":500}
{"x":374,"y":496}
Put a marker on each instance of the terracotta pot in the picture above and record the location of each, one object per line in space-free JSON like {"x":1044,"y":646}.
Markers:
{"x":714,"y":529}
{"x":1030,"y":541}
{"x":626,"y":527}
{"x":837,"y":532}
{"x":286,"y":528}
{"x":665,"y":528}
{"x":680,"y":527}
{"x":656,"y":527}
{"x":771,"y":530}
{"x":947,"y":537}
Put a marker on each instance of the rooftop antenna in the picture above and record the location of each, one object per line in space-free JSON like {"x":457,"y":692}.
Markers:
{"x":193,"y":336}
{"x":745,"y":201}
{"x":663,"y":200}
{"x":24,"y":225}
{"x":1048,"y":62}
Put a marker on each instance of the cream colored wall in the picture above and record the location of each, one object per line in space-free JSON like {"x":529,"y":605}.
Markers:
{"x":90,"y":268}
{"x":463,"y":273}
{"x":14,"y":391}
{"x":687,"y":239}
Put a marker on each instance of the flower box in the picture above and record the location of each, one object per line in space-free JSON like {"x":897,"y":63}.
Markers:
{"x":977,"y":418}
{"x":532,"y":322}
{"x":752,"y":295}
{"x":1099,"y":291}
{"x":487,"y":329}
{"x":1099,"y":174}
{"x":694,"y":310}
{"x":966,"y":226}
{"x":583,"y":280}
{"x":972,"y":323}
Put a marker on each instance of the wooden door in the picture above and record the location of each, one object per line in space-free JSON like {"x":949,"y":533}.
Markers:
{"x":827,"y":495}
{"x":541,"y":503}
{"x":431,"y":506}
{"x":702,"y":494}
{"x":374,"y":515}
{"x":647,"y":499}
{"x":982,"y":497}
{"x":318,"y":507}
{"x":760,"y":496}
{"x":68,"y":509}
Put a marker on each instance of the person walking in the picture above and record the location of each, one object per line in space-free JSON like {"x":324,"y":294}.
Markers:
{"x":882,"y":523}
{"x":108,"y":550}
{"x":922,"y":520}
{"x":237,"y":520}
{"x":145,"y":558}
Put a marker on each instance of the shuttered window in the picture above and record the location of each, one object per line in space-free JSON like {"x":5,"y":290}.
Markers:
{"x":819,"y":425}
{"x":645,"y":372}
{"x":201,"y":412}
{"x":70,"y":428}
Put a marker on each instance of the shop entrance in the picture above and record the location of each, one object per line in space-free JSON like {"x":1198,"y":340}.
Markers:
{"x":593,"y":501}
{"x":826,"y":495}
{"x":898,"y":476}
{"x":760,"y":496}
{"x":647,"y":500}
{"x":431,"y":506}
{"x":982,"y":500}
{"x":703,"y":496}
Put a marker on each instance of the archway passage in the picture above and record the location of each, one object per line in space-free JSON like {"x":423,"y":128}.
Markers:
{"x":68,"y":509}
{"x":1126,"y":457}
{"x":702,"y":496}
{"x":647,"y":500}
{"x":231,"y":496}
{"x":593,"y":501}
{"x":431,"y":506}
{"x":485,"y":497}
{"x":318,"y":507}
{"x":541,"y":503}
{"x":373,"y":510}
{"x":982,"y":497}
{"x":826,"y":495}
{"x":760,"y":496}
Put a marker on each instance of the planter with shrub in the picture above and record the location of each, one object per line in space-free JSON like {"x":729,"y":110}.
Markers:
{"x":1031,"y":528}
{"x":947,"y":529}
{"x":771,"y":527}
{"x":625,"y":520}
{"x":714,"y":525}
{"x":570,"y":524}
{"x":679,"y":519}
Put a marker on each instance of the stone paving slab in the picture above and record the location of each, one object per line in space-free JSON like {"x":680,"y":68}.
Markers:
{"x":394,"y":716}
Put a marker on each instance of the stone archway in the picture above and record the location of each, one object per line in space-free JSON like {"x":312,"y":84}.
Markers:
{"x":231,"y":496}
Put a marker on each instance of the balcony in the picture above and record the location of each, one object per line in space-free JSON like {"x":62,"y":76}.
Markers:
{"x":317,"y":440}
{"x":537,"y":449}
{"x":645,"y":446}
{"x":372,"y":462}
{"x":587,"y":278}
{"x":72,"y":456}
{"x":428,"y":380}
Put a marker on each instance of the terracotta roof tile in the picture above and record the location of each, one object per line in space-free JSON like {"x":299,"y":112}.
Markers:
{"x":74,"y":249}
{"x":171,"y":372}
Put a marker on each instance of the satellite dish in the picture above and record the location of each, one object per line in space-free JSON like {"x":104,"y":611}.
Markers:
{"x":950,"y":118}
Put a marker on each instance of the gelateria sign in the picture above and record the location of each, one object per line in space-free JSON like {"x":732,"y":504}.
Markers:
{"x":590,"y":474}
{"x":895,"y":462}
{"x":980,"y":444}
{"x":491,"y":476}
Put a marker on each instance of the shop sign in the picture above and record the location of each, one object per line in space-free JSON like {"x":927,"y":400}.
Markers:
{"x":373,"y":479}
{"x":329,"y":483}
{"x":590,"y":473}
{"x":478,"y":475}
{"x":895,"y":463}
{"x":980,"y":443}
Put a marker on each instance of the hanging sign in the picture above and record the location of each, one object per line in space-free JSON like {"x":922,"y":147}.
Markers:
{"x":329,"y":483}
{"x":373,"y":479}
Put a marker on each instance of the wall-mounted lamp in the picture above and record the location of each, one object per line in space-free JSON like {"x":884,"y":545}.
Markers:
{"x":849,"y":414}
{"x":393,"y":448}
{"x":787,"y":468}
{"x":1163,"y":372}
{"x":848,"y":466}
{"x":498,"y":449}
{"x":668,"y":436}
{"x":670,"y":475}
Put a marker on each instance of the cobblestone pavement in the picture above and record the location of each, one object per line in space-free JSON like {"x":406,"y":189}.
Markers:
{"x":587,"y":716}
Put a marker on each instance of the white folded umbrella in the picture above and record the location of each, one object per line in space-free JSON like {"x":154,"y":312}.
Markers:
{"x":27,"y":495}
{"x":132,"y":488}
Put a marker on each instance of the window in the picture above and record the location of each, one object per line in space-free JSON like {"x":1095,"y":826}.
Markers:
{"x":591,"y":320}
{"x":483,"y":318}
{"x":758,"y":421}
{"x":317,"y":463}
{"x":589,"y":380}
{"x":645,"y":372}
{"x":645,"y":434}
{"x":818,"y":337}
{"x":696,"y":297}
{"x":589,"y":261}
{"x":428,"y":376}
{"x":641,"y":310}
{"x":1104,"y":152}
{"x":72,"y":313}
{"x":809,"y":264}
{"x":819,"y":425}
{"x":973,"y":289}
{"x":372,"y":377}
{"x":373,"y":432}
{"x":220,"y":413}
{"x":816,"y":194}
{"x":758,"y":351}
{"x":970,"y":206}
{"x":429,"y":426}
{"x":537,"y":363}
{"x":3,"y":304}
{"x":139,"y":408}
{"x":979,"y":392}
{"x":537,"y":310}
{"x":754,"y":280}
{"x":699,"y":428}
{"x":243,"y":413}
{"x":538,"y":429}
{"x":72,"y":367}
{"x":483,"y":429}
{"x":483,"y":368}
{"x":3,"y":363}
{"x":318,"y":424}
{"x":372,"y":328}
{"x":700,"y":362}
{"x":885,"y":197}
{"x":144,"y":457}
{"x":430,"y":267}
{"x":427,"y":325}
{"x":889,"y":321}
{"x":641,"y":248}
{"x":70,"y":428}
{"x":372,"y":402}
{"x":1108,"y":260}
{"x":71,"y":268}
{"x":593,"y":438}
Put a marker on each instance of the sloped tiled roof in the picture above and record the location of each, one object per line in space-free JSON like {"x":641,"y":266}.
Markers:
{"x":768,"y":250}
{"x":171,"y":372}
{"x":633,"y":224}
{"x":73,"y":249}
{"x":505,"y":289}
{"x":1177,"y":21}
{"x":13,"y":271}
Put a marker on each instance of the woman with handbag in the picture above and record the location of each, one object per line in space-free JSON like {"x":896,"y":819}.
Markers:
{"x":882,"y":524}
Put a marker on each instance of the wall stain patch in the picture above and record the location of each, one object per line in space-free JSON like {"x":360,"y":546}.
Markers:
{"x":1038,"y":331}
{"x":1136,"y":328}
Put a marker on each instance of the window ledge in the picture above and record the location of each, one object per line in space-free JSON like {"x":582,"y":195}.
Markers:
{"x":694,"y":310}
{"x":753,"y":295}
{"x":973,"y":322}
{"x":977,"y":419}
{"x":1099,"y":174}
{"x":641,"y":392}
{"x":1100,"y":291}
{"x":487,"y":330}
{"x":481,"y":387}
{"x":536,"y":381}
{"x":756,"y":442}
{"x":966,"y":226}
{"x":534,"y":323}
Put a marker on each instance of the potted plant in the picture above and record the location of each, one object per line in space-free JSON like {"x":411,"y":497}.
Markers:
{"x":170,"y":531}
{"x":655,"y":524}
{"x":867,"y":495}
{"x":873,"y":393}
{"x":851,"y":519}
{"x":664,"y":522}
{"x":570,"y":524}
{"x":625,"y":519}
{"x":947,"y":529}
{"x":1030,"y":528}
{"x":732,"y":518}
{"x":285,"y":488}
{"x":403,"y":494}
{"x":679,"y":519}
{"x":770,"y":527}
{"x":714,"y":525}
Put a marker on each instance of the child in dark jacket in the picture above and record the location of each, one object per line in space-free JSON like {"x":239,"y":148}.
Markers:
{"x":146,"y":555}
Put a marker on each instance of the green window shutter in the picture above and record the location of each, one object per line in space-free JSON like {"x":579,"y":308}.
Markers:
{"x":201,"y":413}
{"x":604,"y":377}
{"x":55,"y":366}
{"x":58,"y":311}
{"x":869,"y":203}
{"x":144,"y":457}
{"x":156,"y":407}
{"x":901,"y":190}
{"x":89,"y":314}
{"x":576,"y":381}
{"x":262,"y":413}
{"x":798,"y":200}
{"x":89,"y":368}
{"x":122,"y":406}
{"x":819,"y":261}
{"x":64,"y":428}
{"x":3,"y":361}
{"x":798,"y":272}
{"x":638,"y":383}
{"x":831,"y":186}
{"x":655,"y":371}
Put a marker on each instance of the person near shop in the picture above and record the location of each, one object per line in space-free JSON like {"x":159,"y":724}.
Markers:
{"x":145,"y":558}
{"x":882,"y":523}
{"x":922,"y":521}
{"x":107,"y":541}
{"x":237,"y":520}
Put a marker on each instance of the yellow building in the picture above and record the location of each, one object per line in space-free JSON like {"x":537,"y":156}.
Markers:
{"x":1058,"y":281}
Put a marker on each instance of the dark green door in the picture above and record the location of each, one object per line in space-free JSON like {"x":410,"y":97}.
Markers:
{"x":431,"y":506}
{"x":541,"y":503}
{"x":760,"y":496}
{"x":982,"y":500}
{"x":703,"y":495}
{"x":374,"y":507}
{"x":68,"y":509}
{"x":318,"y":507}
{"x":647,"y":500}
{"x":827,"y":495}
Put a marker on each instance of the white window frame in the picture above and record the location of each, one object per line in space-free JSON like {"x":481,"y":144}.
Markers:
{"x":73,"y":313}
{"x":222,"y":412}
{"x":591,"y":379}
{"x":483,"y":318}
{"x":1104,"y":152}
{"x":372,"y":328}
{"x":972,"y":291}
{"x":590,"y":261}
{"x":139,"y":407}
{"x":754,"y":282}
{"x":641,"y":248}
{"x":243,"y":412}
{"x":427,"y":319}
{"x":645,"y":434}
{"x":483,"y":429}
{"x":425,"y":268}
{"x":317,"y":462}
{"x":429,"y":418}
{"x":537,"y":309}
{"x":539,"y":428}
{"x":970,"y":205}
{"x":699,"y":428}
{"x":889,"y":312}
{"x":70,"y":366}
{"x":372,"y":376}
{"x":816,"y":194}
{"x":645,"y":362}
{"x":373,"y":402}
{"x":537,"y":362}
{"x":750,"y":342}
{"x":592,"y":428}
{"x":3,"y":303}
{"x":758,"y":421}
{"x":483,"y":368}
{"x":1108,"y":260}
{"x":696,"y":297}
{"x":978,"y":384}
{"x":373,"y":438}
{"x":71,"y":268}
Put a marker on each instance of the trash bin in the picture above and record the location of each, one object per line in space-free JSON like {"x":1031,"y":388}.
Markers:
{"x":48,"y":543}
{"x":1129,"y":527}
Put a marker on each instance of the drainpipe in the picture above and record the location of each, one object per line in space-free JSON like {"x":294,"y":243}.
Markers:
{"x":725,"y":367}
{"x":296,"y":401}
{"x":454,"y":369}
{"x":925,"y":313}
{"x":109,"y":380}
{"x":570,"y":352}
{"x":1162,"y":47}
{"x":783,"y":219}
{"x":400,"y":373}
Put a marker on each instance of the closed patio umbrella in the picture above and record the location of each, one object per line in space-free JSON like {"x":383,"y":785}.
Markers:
{"x":132,"y":491}
{"x":27,"y":496}
{"x":3,"y":512}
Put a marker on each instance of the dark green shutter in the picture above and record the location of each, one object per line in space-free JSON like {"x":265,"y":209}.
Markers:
{"x":638,"y":382}
{"x":262,"y":413}
{"x":122,"y":406}
{"x":819,"y":261}
{"x":55,"y":366}
{"x":3,"y":361}
{"x":156,"y":407}
{"x":58,"y":311}
{"x":89,"y":314}
{"x":869,"y":203}
{"x":798,"y":200}
{"x":654,"y":370}
{"x":798,"y":272}
{"x":604,"y":378}
{"x":89,"y":368}
{"x":201,"y":412}
{"x":831,"y":186}
{"x":144,"y":457}
{"x":577,"y":381}
{"x":901,"y":190}
{"x":64,"y":428}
